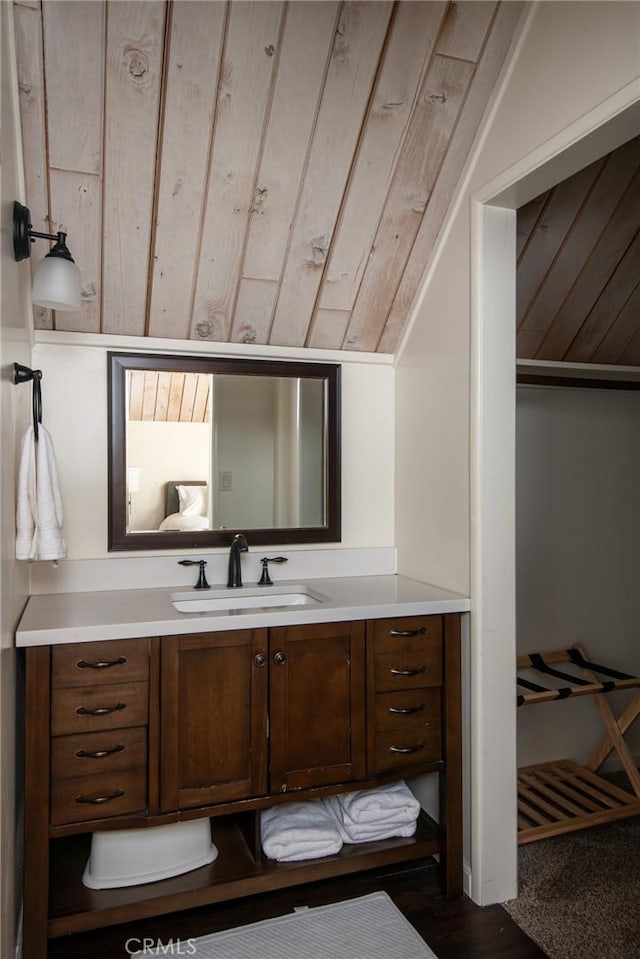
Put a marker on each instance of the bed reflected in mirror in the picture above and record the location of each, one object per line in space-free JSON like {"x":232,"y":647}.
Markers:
{"x":200,"y":448}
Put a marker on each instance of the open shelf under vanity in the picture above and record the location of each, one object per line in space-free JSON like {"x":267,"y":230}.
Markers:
{"x":237,"y":871}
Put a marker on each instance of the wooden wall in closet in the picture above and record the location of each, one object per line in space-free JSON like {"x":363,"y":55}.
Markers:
{"x":263,"y":172}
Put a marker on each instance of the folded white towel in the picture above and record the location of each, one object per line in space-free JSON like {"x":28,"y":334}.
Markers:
{"x":38,"y":502}
{"x":351,"y":832}
{"x":299,"y":830}
{"x":384,"y":803}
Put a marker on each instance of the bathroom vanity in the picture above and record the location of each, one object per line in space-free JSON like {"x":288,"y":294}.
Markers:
{"x":140,"y":714}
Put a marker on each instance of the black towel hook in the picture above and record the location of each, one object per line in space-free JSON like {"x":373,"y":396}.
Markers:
{"x":23,"y":374}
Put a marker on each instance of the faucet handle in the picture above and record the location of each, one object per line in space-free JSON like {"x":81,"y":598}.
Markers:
{"x":265,"y":579}
{"x":202,"y":579}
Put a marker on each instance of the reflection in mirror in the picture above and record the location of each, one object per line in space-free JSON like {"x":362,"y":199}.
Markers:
{"x":201,"y":448}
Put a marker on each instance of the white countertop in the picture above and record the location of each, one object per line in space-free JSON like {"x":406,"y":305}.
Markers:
{"x":57,"y":618}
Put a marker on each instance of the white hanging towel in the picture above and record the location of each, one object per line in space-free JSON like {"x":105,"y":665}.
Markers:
{"x":39,"y":504}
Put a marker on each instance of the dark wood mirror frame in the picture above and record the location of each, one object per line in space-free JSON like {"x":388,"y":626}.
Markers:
{"x":121,"y":539}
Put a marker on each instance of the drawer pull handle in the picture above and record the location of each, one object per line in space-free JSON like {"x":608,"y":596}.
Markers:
{"x":406,"y":710}
{"x":408,"y":632}
{"x":396,"y":671}
{"x":406,"y":749}
{"x":100,"y":710}
{"x":101,"y":664}
{"x":98,"y":800}
{"x":99,"y":753}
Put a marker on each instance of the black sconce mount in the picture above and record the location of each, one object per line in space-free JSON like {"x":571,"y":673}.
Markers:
{"x":24,"y":236}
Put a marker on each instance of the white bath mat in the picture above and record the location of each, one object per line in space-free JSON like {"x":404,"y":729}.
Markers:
{"x":370,"y":927}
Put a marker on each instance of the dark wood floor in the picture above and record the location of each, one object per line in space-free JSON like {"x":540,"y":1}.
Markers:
{"x":454,"y":930}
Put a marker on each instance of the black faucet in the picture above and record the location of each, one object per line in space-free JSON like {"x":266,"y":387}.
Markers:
{"x":238,"y":545}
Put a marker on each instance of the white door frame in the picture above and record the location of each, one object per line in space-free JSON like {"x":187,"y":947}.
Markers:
{"x":493,"y":354}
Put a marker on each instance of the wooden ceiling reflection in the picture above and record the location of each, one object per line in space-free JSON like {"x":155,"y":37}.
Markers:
{"x":168,"y":397}
{"x":578,"y":279}
{"x":258,"y":172}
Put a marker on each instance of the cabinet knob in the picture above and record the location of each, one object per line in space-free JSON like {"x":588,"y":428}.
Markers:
{"x":279,"y":658}
{"x":260,"y":659}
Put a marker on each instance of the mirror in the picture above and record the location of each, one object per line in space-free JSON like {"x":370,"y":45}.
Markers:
{"x":201,"y":448}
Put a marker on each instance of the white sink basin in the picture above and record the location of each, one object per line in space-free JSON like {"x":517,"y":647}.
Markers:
{"x":237,"y":600}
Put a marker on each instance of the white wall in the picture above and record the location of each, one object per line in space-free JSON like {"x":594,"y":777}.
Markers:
{"x":245,"y":425}
{"x":75,"y":412}
{"x":160,"y":450}
{"x":577,"y":550}
{"x":574,"y":60}
{"x":15,"y":404}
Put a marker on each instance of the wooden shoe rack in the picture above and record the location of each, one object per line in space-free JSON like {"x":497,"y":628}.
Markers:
{"x":562,"y":796}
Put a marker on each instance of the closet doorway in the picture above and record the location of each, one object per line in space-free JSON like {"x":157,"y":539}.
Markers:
{"x":493,"y":417}
{"x":578,"y":440}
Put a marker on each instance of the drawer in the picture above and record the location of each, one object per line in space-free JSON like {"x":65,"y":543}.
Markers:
{"x":406,"y":633}
{"x":90,"y":753}
{"x":99,"y":796}
{"x":407,"y":709}
{"x":406,"y":652}
{"x":405,"y":747}
{"x":407,"y":669}
{"x":88,"y":664}
{"x":88,"y":709}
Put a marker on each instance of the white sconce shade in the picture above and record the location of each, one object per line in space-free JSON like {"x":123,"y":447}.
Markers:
{"x":56,"y":279}
{"x":56,"y":284}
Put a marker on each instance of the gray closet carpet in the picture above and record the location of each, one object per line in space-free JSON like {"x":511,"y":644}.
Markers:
{"x":579,"y":894}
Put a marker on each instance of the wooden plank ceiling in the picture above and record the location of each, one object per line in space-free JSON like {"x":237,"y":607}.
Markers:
{"x":257,"y":172}
{"x":578,"y":276}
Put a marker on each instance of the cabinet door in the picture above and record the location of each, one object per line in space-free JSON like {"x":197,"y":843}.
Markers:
{"x":317,"y":705}
{"x":214,"y":717}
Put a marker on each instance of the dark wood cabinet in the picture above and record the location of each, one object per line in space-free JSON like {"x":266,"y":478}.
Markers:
{"x":213,"y":718}
{"x":99,"y":730}
{"x":406,"y":658}
{"x":317,"y":706}
{"x":251,"y":712}
{"x":221,"y":725}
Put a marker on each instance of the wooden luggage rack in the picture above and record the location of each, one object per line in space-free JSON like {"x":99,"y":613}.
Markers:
{"x":562,"y":796}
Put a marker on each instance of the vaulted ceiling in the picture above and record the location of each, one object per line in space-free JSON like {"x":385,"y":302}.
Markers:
{"x":578,"y":277}
{"x":257,"y":172}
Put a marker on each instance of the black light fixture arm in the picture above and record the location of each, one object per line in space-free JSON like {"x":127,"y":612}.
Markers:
{"x":23,"y":236}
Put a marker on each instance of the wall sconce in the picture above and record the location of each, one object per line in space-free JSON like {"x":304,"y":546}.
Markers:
{"x":56,"y":279}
